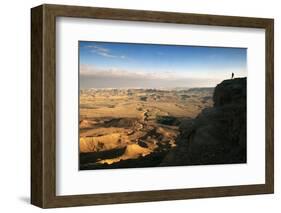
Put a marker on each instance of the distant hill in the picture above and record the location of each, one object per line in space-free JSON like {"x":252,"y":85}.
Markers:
{"x":201,"y":89}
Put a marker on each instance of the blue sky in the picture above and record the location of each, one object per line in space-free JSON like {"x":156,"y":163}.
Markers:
{"x":120,"y":61}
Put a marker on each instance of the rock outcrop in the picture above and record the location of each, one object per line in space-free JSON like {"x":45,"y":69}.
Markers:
{"x":218,"y":134}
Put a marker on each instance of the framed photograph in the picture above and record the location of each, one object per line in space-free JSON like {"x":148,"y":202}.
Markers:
{"x":136,"y":106}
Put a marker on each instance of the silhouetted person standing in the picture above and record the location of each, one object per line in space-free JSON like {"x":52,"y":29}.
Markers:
{"x":232,"y":75}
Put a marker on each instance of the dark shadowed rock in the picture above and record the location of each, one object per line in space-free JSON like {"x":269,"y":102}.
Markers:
{"x":230,"y":92}
{"x":218,"y":134}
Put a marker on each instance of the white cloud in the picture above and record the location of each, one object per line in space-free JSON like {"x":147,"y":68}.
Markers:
{"x":117,"y":78}
{"x":104,"y":52}
{"x":161,"y":75}
{"x":97,"y":48}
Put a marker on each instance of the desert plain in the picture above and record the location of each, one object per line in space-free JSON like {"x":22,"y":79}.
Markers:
{"x":124,"y":128}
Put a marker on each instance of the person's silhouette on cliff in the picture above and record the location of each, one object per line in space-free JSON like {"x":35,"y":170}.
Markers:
{"x":232,"y":75}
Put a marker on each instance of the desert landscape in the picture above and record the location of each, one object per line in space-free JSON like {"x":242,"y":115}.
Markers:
{"x":123,"y":128}
{"x":151,"y":105}
{"x":125,"y":124}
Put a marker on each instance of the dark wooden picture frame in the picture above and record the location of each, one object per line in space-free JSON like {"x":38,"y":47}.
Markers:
{"x":43,"y":105}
